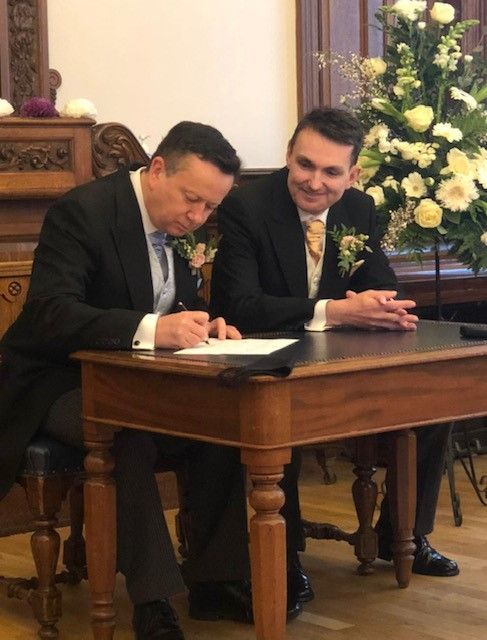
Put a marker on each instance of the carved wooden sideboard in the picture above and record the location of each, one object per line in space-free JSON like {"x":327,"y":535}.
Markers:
{"x":40,"y":159}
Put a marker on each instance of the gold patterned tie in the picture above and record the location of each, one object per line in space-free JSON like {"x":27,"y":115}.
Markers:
{"x":315,"y":232}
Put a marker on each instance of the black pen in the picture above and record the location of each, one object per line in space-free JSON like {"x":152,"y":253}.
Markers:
{"x":182,"y":307}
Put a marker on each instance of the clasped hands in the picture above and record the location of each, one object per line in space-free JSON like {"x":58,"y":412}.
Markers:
{"x":187,"y":328}
{"x":372,"y":309}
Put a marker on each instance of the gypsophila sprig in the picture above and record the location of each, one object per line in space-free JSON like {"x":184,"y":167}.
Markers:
{"x":196,"y":253}
{"x":350,"y":245}
{"x":424,"y":160}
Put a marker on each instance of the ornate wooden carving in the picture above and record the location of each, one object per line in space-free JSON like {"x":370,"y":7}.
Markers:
{"x":55,"y":82}
{"x":27,"y":68}
{"x":115,"y":146}
{"x":35,"y":156}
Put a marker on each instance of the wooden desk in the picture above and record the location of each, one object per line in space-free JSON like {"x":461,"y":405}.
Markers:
{"x":359,"y":383}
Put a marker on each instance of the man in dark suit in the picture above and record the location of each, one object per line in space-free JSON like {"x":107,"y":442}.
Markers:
{"x":268,"y":276}
{"x":103,"y":279}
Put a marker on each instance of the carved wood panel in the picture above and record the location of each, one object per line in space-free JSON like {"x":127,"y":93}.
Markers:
{"x":24,"y":71}
{"x":14,"y":282}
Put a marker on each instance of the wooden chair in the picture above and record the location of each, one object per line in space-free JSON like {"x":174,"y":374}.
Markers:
{"x":50,"y":473}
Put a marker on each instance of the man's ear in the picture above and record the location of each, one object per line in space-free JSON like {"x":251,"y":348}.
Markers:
{"x":288,"y":155}
{"x":353,"y":175}
{"x":157,"y":166}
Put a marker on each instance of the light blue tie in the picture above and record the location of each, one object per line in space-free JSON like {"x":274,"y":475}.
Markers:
{"x":158,"y":240}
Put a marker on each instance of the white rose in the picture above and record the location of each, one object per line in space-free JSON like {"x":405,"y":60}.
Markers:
{"x":442,"y":12}
{"x":79,"y":108}
{"x":377,"y":66}
{"x":419,"y":118}
{"x":428,"y":214}
{"x":377,"y":194}
{"x":5,"y":108}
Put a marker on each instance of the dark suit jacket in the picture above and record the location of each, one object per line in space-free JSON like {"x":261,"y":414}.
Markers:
{"x":259,"y":278}
{"x":91,"y":286}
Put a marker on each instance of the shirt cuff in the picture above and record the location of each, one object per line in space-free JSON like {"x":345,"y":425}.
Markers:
{"x":145,"y":336}
{"x":318,"y":321}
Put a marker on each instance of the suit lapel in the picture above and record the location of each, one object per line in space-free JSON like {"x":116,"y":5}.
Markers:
{"x":286,"y":233}
{"x":332,"y":285}
{"x":185,"y":280}
{"x":131,"y":244}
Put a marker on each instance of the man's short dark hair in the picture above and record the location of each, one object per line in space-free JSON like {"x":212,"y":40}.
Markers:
{"x":204,"y":141}
{"x":338,"y":125}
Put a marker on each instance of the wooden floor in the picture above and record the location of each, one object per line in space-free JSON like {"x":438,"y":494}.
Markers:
{"x":346,"y":607}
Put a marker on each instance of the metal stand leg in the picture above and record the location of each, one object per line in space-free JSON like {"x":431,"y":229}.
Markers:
{"x":455,"y":498}
{"x":480,"y":486}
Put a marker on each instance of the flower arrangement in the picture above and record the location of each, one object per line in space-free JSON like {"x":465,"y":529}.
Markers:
{"x":424,"y":159}
{"x":79,"y":108}
{"x":38,"y":108}
{"x":6,"y":108}
{"x":196,"y":253}
{"x":350,"y":244}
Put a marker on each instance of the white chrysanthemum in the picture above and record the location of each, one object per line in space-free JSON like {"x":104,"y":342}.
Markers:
{"x":414,"y":185}
{"x":390,"y":182}
{"x":420,"y":153}
{"x":5,"y":108}
{"x":460,"y":94}
{"x":459,"y":163}
{"x":457,"y":193}
{"x":409,"y":9}
{"x":445,"y":130}
{"x":376,"y":133}
{"x":79,"y":108}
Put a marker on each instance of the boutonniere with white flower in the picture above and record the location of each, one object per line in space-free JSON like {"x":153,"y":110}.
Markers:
{"x":350,"y":244}
{"x":196,"y":253}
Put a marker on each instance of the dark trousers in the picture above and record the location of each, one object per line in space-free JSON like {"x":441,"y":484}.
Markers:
{"x":431,"y":443}
{"x":216,"y":501}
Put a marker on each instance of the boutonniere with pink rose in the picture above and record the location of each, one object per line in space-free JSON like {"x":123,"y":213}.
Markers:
{"x":196,"y":253}
{"x":350,"y":244}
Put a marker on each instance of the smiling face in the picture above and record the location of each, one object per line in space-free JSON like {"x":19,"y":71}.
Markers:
{"x":180,"y":201}
{"x":320,"y":170}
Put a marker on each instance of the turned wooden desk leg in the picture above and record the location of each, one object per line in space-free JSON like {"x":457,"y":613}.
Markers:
{"x":364,"y":491}
{"x":401,"y":489}
{"x":100,"y":528}
{"x":268,"y":542}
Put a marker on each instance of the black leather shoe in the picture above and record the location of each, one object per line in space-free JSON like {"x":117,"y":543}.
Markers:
{"x":228,"y":601}
{"x":156,"y":621}
{"x":427,"y":560}
{"x":297,"y":581}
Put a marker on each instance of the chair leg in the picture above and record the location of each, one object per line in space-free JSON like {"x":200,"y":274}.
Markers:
{"x":45,"y":497}
{"x":364,"y":492}
{"x":183,"y":521}
{"x":74,"y":552}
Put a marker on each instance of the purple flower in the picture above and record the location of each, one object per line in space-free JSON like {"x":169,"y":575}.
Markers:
{"x":38,"y":108}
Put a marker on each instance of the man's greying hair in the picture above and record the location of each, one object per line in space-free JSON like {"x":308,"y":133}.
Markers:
{"x":335,"y":124}
{"x":204,"y":141}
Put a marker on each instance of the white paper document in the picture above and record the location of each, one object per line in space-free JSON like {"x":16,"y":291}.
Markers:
{"x":245,"y":347}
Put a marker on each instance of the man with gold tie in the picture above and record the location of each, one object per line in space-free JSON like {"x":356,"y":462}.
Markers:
{"x":278,"y":268}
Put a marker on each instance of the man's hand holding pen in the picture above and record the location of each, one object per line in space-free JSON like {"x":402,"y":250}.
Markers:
{"x":187,"y":328}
